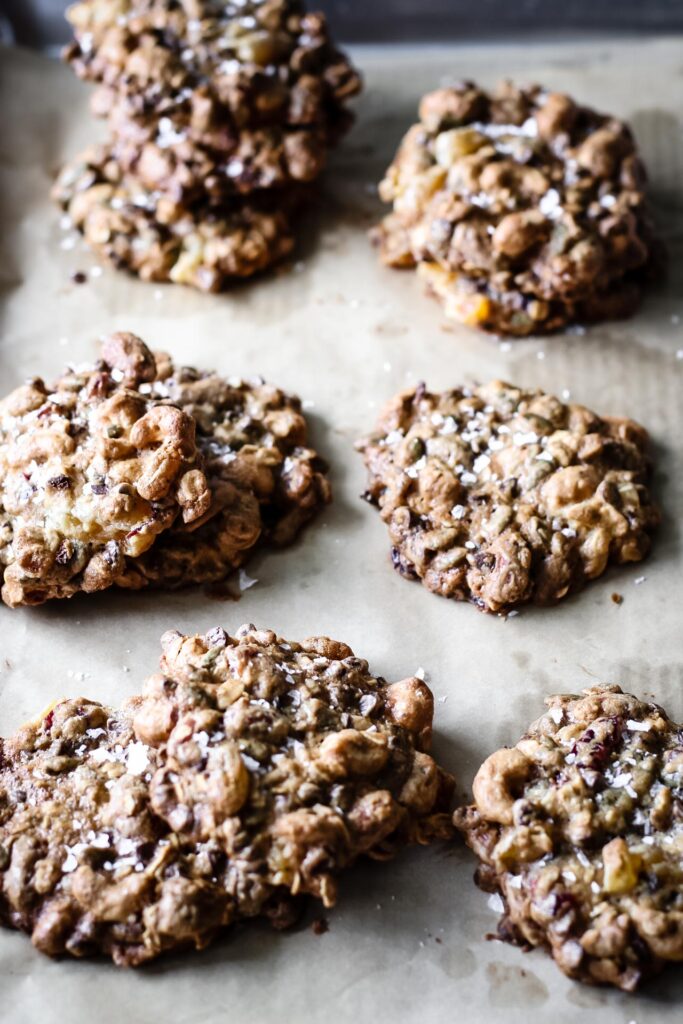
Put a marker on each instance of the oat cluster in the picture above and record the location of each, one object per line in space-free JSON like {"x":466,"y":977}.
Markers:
{"x":249,"y":772}
{"x":133,"y":472}
{"x":522,"y":210}
{"x":500,"y":495}
{"x":219,"y":114}
{"x":580,"y":828}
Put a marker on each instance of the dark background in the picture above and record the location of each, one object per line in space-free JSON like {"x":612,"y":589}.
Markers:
{"x":40,"y":22}
{"x":448,"y":20}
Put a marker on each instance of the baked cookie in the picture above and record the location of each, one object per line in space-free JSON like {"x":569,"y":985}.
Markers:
{"x":523,"y":210}
{"x":249,"y":773}
{"x":579,"y":827}
{"x":214,"y":68}
{"x":135,"y":473}
{"x":500,"y":495}
{"x":163,"y":240}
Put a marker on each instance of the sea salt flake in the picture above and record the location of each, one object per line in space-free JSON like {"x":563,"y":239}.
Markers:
{"x":245,"y":581}
{"x":101,"y":841}
{"x":420,"y":673}
{"x":70,"y":863}
{"x":622,"y":780}
{"x":415,"y":469}
{"x":521,"y":438}
{"x":495,"y":903}
{"x":639,"y":579}
{"x":367,"y":703}
{"x":458,"y":511}
{"x":136,"y":758}
{"x":101,"y":755}
{"x":549,"y":204}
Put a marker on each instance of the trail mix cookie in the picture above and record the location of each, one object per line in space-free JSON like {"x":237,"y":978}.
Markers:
{"x":500,"y":495}
{"x":250,"y":772}
{"x":133,"y":472}
{"x":579,"y":827}
{"x":523,"y":210}
{"x":162,"y":240}
{"x":214,"y":68}
{"x":219,"y":116}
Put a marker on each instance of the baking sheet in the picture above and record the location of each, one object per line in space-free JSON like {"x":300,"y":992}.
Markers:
{"x":407,"y":940}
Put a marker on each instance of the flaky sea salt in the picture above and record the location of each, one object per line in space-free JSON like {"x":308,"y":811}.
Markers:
{"x":136,"y":758}
{"x":245,"y":582}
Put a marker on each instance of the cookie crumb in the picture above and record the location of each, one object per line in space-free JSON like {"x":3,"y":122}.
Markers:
{"x":320,"y":926}
{"x":617,"y":598}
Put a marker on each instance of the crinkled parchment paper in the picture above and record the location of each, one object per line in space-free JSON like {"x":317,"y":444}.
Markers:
{"x":407,"y":940}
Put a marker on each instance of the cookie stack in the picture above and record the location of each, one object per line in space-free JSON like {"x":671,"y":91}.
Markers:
{"x":219,"y":114}
{"x":522,"y":210}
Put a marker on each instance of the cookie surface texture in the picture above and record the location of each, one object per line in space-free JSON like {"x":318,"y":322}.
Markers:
{"x":249,"y":772}
{"x":522,"y":210}
{"x":579,"y":828}
{"x":133,"y":472}
{"x":499,"y":495}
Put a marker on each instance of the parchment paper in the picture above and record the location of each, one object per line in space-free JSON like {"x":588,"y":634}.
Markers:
{"x":407,"y":940}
